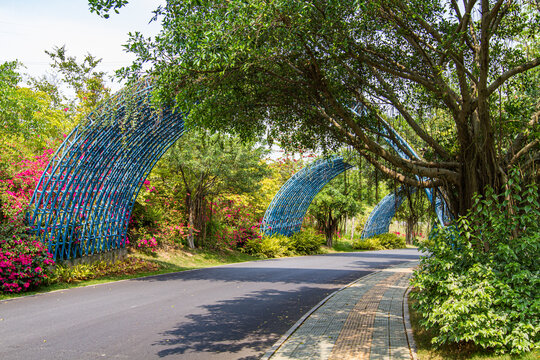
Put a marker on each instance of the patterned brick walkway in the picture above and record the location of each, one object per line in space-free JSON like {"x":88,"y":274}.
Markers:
{"x":365,"y":320}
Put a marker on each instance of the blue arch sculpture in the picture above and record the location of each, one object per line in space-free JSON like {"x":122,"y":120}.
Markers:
{"x":288,"y":208}
{"x":382,"y":214}
{"x":286,"y":212}
{"x":83,"y":201}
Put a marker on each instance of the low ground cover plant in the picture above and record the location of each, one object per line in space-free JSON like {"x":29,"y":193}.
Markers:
{"x":100,"y":269}
{"x":481,"y":283}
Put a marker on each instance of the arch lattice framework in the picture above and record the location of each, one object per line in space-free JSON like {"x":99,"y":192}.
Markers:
{"x":83,"y":201}
{"x":285,"y":217}
{"x":288,"y":208}
{"x":380,"y":218}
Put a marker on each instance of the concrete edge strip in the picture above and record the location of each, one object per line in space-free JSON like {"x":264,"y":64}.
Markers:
{"x":295,"y":327}
{"x":407,"y":324}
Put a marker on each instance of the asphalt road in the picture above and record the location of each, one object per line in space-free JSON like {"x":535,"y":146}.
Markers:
{"x":228,"y":312}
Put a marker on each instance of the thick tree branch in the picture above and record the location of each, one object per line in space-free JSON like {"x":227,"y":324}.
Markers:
{"x":523,"y":151}
{"x":407,"y":116}
{"x":400,"y":177}
{"x":514,"y":71}
{"x":363,"y":142}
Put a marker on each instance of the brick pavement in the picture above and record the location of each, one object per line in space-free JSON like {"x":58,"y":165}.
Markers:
{"x":365,"y":320}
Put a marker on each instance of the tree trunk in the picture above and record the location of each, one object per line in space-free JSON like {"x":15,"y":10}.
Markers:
{"x":409,"y":230}
{"x":329,"y":230}
{"x":353,"y":227}
{"x":191,"y":225}
{"x":478,"y":168}
{"x":376,"y":186}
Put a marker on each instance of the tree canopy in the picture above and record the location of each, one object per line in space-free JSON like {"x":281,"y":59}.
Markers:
{"x":446,"y":70}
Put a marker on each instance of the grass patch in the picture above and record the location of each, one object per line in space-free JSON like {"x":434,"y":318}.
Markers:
{"x":163,"y":263}
{"x":427,"y":351}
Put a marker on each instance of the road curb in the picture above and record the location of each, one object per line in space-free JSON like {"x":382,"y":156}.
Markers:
{"x":407,"y":324}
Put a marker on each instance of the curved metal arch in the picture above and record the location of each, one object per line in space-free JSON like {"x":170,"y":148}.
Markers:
{"x":288,"y":208}
{"x":382,"y":214}
{"x":84,"y":199}
{"x":435,"y":195}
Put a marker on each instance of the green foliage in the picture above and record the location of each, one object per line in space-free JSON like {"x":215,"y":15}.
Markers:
{"x":307,"y":242}
{"x":391,"y":241}
{"x":367,"y":244}
{"x":289,"y":70}
{"x":85,"y":85}
{"x":102,"y":7}
{"x":200,"y":168}
{"x":380,"y":242}
{"x":270,"y":246}
{"x":481,"y":283}
{"x":332,"y":204}
{"x":26,"y":115}
{"x":99,"y":269}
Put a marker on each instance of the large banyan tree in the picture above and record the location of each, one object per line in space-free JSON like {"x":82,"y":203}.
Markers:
{"x":458,"y":79}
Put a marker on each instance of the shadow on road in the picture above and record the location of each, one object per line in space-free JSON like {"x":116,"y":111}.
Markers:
{"x":237,"y":327}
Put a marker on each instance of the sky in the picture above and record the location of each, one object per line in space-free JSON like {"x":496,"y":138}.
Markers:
{"x":29,"y":27}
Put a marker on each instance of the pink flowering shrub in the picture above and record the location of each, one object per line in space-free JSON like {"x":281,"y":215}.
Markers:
{"x":147,"y":243}
{"x":24,"y":261}
{"x":18,"y":179}
{"x":235,"y":223}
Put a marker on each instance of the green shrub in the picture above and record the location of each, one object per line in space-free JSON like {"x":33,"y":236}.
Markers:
{"x":270,"y":246}
{"x":307,"y":242}
{"x":80,"y":272}
{"x":481,"y":282}
{"x":391,"y":241}
{"x":380,"y":242}
{"x":368,"y":244}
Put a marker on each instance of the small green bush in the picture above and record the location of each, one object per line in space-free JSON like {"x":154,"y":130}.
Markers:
{"x":380,"y":242}
{"x":270,"y":246}
{"x":481,"y":283}
{"x":368,"y":244}
{"x":391,"y":241}
{"x":307,"y":242}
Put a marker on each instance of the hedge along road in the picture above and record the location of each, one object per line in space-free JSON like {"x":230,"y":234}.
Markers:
{"x":228,"y":312}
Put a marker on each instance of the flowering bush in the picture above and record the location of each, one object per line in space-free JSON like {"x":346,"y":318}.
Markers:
{"x":147,"y":243}
{"x":18,"y":181}
{"x":235,"y":223}
{"x":24,"y":261}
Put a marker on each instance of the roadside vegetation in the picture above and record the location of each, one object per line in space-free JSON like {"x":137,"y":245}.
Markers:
{"x":426,"y":350}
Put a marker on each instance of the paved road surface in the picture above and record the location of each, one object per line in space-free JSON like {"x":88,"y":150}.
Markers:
{"x":229,"y":312}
